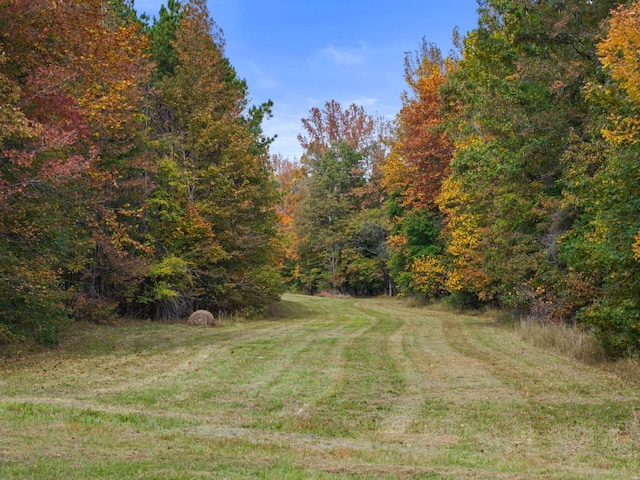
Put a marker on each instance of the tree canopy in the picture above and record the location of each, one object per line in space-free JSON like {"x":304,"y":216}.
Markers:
{"x":136,"y":179}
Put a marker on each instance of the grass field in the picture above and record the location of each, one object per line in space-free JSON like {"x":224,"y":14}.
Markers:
{"x":327,"y":389}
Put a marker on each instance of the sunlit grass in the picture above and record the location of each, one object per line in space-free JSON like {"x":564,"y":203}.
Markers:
{"x":324,"y":388}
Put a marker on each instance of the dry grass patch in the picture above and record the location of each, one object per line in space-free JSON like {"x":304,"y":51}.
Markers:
{"x":574,"y":341}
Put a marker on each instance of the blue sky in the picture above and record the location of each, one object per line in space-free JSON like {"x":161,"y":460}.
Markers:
{"x":303,"y":53}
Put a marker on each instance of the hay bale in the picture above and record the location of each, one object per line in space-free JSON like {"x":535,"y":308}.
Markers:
{"x":202,"y":318}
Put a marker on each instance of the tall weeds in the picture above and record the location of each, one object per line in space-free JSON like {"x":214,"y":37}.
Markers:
{"x":573,"y":341}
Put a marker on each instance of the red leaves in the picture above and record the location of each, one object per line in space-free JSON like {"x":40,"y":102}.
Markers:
{"x":74,"y":73}
{"x":332,"y":124}
{"x":421,"y":153}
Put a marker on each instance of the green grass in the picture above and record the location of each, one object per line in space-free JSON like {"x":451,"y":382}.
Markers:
{"x":327,"y":389}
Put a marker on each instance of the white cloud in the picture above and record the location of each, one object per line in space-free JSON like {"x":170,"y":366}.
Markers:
{"x":286,"y":124}
{"x":346,"y":56}
{"x":361,"y":100}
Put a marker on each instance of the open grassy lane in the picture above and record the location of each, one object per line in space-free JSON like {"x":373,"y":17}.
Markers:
{"x":328,"y":389}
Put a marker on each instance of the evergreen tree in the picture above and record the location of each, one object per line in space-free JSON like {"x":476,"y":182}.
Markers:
{"x":212,"y":214}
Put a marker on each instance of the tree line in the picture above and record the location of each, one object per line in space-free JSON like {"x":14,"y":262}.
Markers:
{"x":509,"y":178}
{"x":136,"y":180}
{"x":134,"y":175}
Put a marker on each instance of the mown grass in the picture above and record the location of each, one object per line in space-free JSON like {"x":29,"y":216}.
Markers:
{"x":326,"y":388}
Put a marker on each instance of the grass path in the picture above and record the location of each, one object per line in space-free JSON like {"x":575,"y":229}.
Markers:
{"x":328,"y":389}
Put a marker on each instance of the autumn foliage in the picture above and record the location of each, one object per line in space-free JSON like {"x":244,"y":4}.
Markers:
{"x":135,"y":178}
{"x":338,"y":229}
{"x":522,"y":155}
{"x":419,"y":160}
{"x":619,"y":52}
{"x":510,"y":177}
{"x":126,"y":189}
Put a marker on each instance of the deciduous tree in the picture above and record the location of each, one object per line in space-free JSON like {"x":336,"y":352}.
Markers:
{"x":340,"y":200}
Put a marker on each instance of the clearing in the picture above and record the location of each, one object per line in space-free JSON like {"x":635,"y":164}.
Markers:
{"x":328,"y":389}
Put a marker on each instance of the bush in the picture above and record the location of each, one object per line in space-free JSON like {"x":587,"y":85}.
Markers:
{"x":95,"y":310}
{"x":31,"y":305}
{"x":463,"y":300}
{"x":617,"y":326}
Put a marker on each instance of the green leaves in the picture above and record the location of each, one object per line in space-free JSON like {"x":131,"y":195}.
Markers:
{"x":214,"y":202}
{"x":127,"y":191}
{"x":514,"y":105}
{"x":340,"y":236}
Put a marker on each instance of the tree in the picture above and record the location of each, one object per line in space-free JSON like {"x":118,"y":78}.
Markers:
{"x":413,"y":174}
{"x":72,"y":76}
{"x":514,"y":105}
{"x":602,"y":250}
{"x":421,"y":151}
{"x":124,"y":190}
{"x":163,"y":35}
{"x":323,"y":213}
{"x":619,"y":54}
{"x":331,"y":124}
{"x":213,"y":209}
{"x":289,"y":176}
{"x":338,"y":192}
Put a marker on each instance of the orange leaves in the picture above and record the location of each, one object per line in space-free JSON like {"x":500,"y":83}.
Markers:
{"x":288,"y":175}
{"x":332,"y":124}
{"x":413,"y":173}
{"x":113,"y":72}
{"x":80,"y":73}
{"x":620,"y":53}
{"x":421,"y":153}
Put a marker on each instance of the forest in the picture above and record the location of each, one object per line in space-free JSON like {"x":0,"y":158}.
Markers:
{"x":136,"y":180}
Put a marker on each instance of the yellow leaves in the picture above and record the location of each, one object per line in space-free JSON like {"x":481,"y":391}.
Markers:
{"x":430,"y":84}
{"x":468,"y":142}
{"x":619,"y":52}
{"x":296,"y":271}
{"x":452,"y":196}
{"x":627,"y":129}
{"x":13,"y":122}
{"x":463,"y":235}
{"x":429,"y":275}
{"x":455,"y":281}
{"x":636,"y":247}
{"x":598,"y":233}
{"x":464,"y":239}
{"x":396,"y":173}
